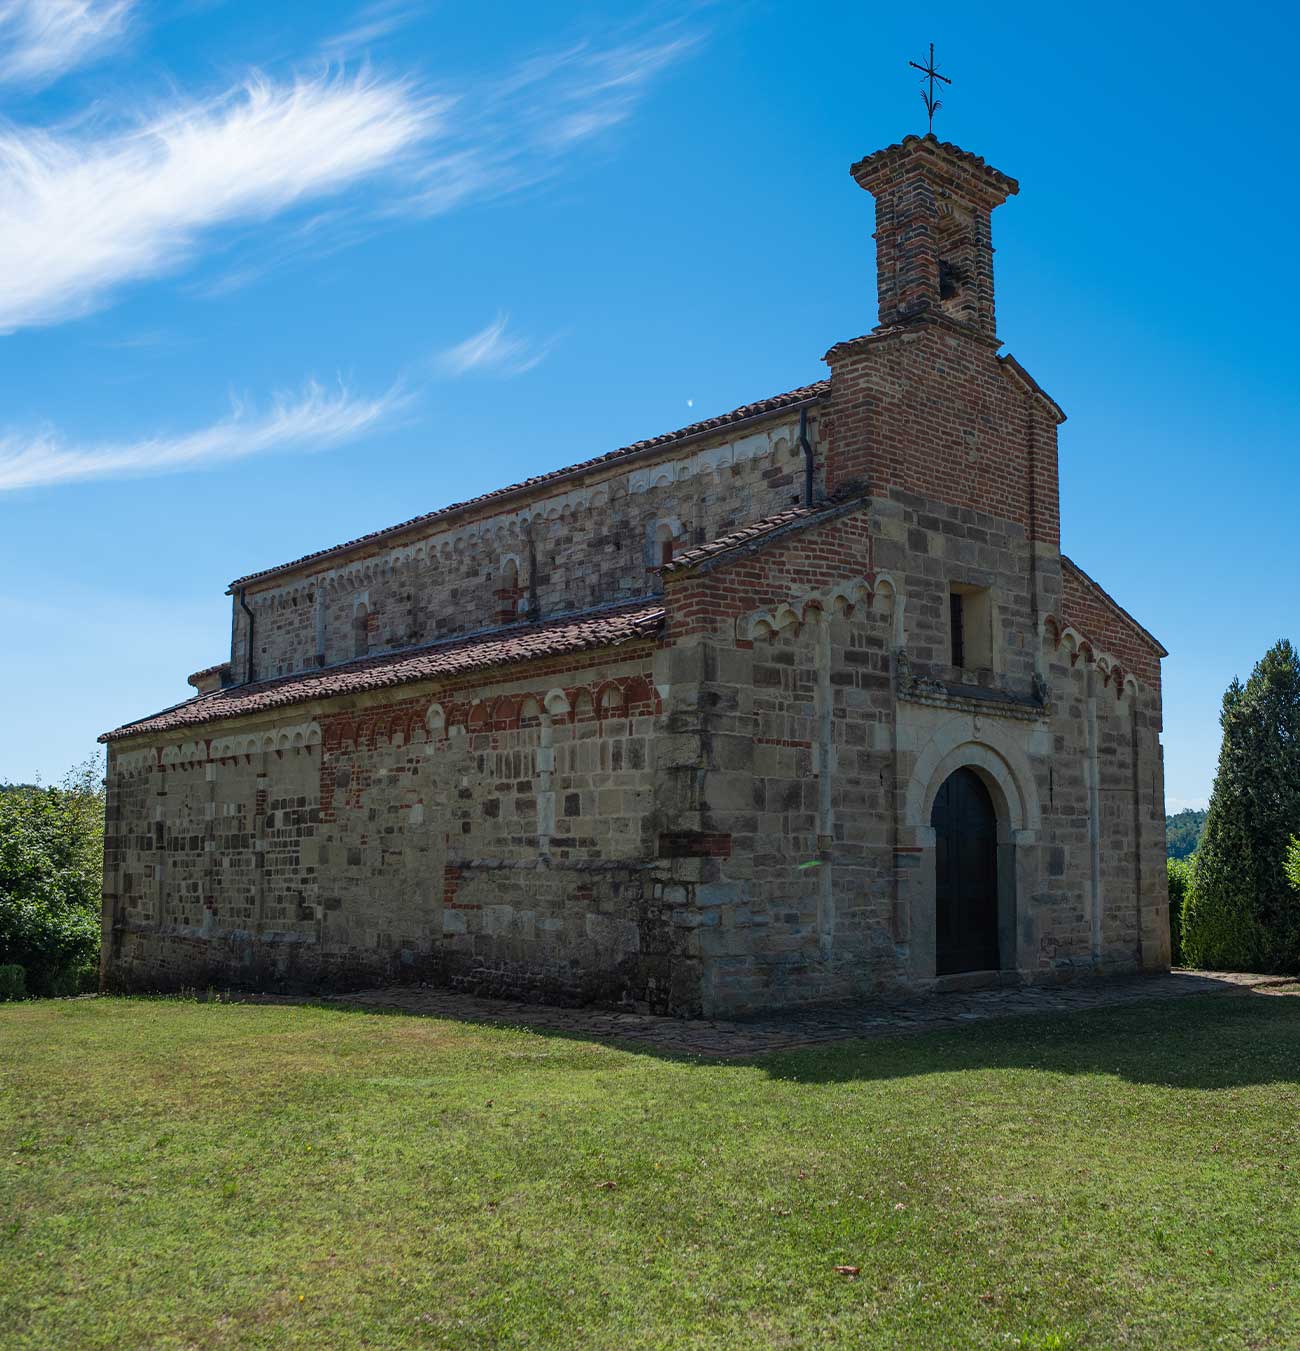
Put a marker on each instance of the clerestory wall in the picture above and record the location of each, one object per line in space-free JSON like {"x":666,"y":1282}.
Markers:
{"x":568,"y":549}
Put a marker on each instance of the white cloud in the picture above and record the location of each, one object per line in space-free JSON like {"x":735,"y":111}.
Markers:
{"x":515,"y":132}
{"x":312,"y":420}
{"x":80,"y":216}
{"x":40,"y":39}
{"x":85,"y":212}
{"x":492,"y":351}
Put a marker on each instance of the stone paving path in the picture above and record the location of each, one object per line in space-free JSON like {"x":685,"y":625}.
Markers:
{"x":746,"y":1037}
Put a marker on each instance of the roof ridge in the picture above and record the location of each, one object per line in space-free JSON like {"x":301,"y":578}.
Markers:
{"x":759,"y":408}
{"x":756,"y":531}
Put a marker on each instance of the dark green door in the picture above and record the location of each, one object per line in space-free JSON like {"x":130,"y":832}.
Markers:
{"x":966,"y":876}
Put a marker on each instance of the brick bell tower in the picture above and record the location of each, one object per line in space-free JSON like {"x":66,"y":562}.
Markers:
{"x":934,"y":251}
{"x":923,"y":407}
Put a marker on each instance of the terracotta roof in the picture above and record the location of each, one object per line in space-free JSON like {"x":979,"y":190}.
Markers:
{"x":1004,"y":182}
{"x":746,"y":412}
{"x":1110,"y":600}
{"x":438,"y":661}
{"x":794,"y":518}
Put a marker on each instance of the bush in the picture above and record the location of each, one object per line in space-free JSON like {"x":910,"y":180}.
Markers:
{"x":1182,"y":876}
{"x":1243,"y":914}
{"x":13,"y":982}
{"x":51,"y":858}
{"x":1293,"y":862}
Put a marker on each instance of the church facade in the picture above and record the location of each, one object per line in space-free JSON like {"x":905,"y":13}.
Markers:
{"x":798,"y":703}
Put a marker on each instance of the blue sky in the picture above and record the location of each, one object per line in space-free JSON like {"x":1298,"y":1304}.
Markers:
{"x":275,"y":275}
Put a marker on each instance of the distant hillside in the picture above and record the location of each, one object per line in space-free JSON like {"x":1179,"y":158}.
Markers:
{"x":1183,"y":833}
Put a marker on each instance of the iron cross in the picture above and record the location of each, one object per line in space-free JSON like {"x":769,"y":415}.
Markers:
{"x":932,"y":104}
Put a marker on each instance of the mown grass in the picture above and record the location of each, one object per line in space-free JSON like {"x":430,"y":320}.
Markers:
{"x":177,"y":1174}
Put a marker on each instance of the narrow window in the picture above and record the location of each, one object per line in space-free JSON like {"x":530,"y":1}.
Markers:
{"x":666,"y":551}
{"x":957,"y":628}
{"x":970,"y":627}
{"x":361,"y":631}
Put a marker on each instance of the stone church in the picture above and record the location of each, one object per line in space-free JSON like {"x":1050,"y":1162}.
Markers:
{"x":798,"y":703}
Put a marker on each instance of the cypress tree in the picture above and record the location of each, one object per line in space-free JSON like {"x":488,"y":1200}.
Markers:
{"x":1243,"y":913}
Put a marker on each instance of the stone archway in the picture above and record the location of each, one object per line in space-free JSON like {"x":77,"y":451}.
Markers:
{"x":997,"y":756}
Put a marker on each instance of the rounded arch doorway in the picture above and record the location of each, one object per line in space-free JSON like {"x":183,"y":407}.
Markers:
{"x":965,"y":827}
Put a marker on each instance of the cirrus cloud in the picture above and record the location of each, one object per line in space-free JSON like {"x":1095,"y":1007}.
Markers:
{"x":81,"y":216}
{"x":313,"y":419}
{"x":40,"y":39}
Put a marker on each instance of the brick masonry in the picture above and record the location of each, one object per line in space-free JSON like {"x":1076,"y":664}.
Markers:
{"x":505,"y":750}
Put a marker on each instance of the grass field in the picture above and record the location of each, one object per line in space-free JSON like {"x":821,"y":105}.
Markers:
{"x":177,"y":1174}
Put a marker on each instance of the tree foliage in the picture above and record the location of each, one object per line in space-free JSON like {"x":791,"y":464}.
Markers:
{"x":1183,"y":833}
{"x":1182,"y":879}
{"x":51,"y":861}
{"x":1243,"y":913}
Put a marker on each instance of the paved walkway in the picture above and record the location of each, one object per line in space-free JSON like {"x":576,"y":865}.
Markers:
{"x":746,"y":1037}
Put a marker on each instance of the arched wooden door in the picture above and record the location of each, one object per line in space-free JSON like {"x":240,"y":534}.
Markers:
{"x":966,"y":876}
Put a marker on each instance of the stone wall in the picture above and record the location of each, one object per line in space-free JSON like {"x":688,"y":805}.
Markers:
{"x":497,"y":836}
{"x":566,"y":549}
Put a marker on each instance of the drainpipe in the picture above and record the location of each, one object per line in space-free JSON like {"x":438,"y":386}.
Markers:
{"x":806,"y":446}
{"x":243,"y":605}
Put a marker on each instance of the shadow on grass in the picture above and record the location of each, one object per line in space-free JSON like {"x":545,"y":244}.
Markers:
{"x":1202,"y":1042}
{"x":1208,"y":1041}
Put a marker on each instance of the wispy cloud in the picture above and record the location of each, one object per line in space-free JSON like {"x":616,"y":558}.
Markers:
{"x":313,"y":419}
{"x":84,"y":212}
{"x":80,"y":216}
{"x":492,"y":351}
{"x":373,"y":23}
{"x":516,"y":131}
{"x":40,"y":39}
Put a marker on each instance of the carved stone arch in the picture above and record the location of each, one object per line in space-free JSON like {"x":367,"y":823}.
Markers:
{"x":435,"y":720}
{"x":610,"y":700}
{"x":995,"y":756}
{"x":812,"y":610}
{"x":584,"y":706}
{"x":786,"y":617}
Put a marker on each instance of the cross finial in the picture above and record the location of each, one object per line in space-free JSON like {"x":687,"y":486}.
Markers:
{"x":932,"y":104}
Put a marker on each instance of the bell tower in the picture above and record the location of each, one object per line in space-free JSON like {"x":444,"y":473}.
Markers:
{"x":934,"y":253}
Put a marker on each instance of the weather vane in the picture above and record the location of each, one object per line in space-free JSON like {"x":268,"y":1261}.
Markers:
{"x":932,"y":104}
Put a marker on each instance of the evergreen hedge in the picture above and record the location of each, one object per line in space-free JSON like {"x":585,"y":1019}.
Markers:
{"x":1242,"y":912}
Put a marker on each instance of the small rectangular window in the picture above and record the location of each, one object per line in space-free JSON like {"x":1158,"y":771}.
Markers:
{"x":970,"y":627}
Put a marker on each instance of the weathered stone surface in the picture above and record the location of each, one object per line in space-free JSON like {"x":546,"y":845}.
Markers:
{"x":730,"y":809}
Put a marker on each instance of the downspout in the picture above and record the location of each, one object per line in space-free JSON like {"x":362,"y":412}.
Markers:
{"x":243,"y":605}
{"x":806,"y":446}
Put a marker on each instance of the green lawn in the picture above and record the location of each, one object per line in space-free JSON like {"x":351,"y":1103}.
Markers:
{"x":176,"y":1174}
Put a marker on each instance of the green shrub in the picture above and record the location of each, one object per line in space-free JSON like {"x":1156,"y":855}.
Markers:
{"x":51,"y":857}
{"x":13,"y":982}
{"x":1243,"y":914}
{"x":1182,"y":876}
{"x":1293,"y":862}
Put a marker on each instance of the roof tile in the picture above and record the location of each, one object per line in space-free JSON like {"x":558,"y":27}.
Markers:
{"x":606,"y":628}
